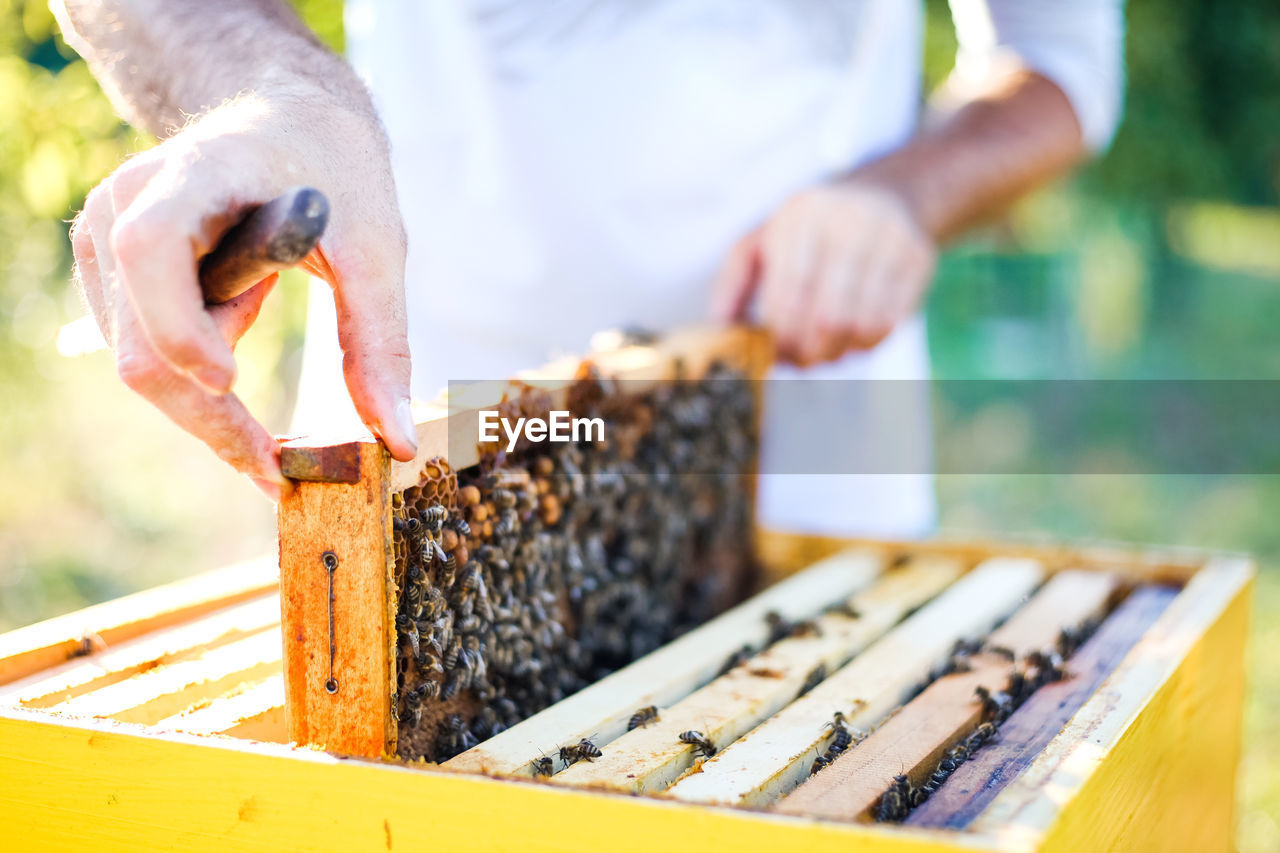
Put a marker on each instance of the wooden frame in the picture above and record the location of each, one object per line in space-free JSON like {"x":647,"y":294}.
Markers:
{"x":1147,"y":762}
{"x":336,"y":559}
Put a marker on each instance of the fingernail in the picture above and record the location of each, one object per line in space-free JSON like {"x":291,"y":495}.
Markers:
{"x":404,"y":420}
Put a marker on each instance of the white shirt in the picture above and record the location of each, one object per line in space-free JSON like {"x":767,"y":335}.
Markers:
{"x":579,"y":165}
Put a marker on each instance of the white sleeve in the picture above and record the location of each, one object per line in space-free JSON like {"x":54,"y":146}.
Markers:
{"x":1078,"y":44}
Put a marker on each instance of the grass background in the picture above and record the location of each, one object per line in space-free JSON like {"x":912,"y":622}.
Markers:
{"x":1160,"y":261}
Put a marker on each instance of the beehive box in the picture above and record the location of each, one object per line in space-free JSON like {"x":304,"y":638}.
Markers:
{"x":164,"y":720}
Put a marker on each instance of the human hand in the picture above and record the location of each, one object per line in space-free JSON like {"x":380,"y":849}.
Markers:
{"x":835,"y":270}
{"x":138,"y":241}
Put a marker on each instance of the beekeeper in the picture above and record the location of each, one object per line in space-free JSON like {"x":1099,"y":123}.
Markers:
{"x":507,"y":178}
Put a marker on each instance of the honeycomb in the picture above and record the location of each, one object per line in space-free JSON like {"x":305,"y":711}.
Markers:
{"x":526,"y":577}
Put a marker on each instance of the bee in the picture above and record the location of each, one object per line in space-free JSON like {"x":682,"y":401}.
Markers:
{"x":543,"y":766}
{"x":813,"y":679}
{"x":980,"y":735}
{"x":408,"y":629}
{"x":819,"y":763}
{"x":504,"y":498}
{"x":507,"y":523}
{"x":414,"y":698}
{"x":413,"y":600}
{"x":779,"y":626}
{"x":643,"y":717}
{"x":701,"y":743}
{"x":739,"y":657}
{"x":427,"y":663}
{"x":460,"y":737}
{"x":845,"y":609}
{"x":452,"y":654}
{"x":583,"y":750}
{"x":895,"y":802}
{"x":460,"y":526}
{"x":841,"y":739}
{"x":1003,"y":652}
{"x":807,"y":628}
{"x":472,"y":579}
{"x":1019,"y":687}
{"x":434,"y":515}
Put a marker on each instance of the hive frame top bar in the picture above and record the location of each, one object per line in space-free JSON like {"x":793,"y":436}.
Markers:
{"x":687,"y":352}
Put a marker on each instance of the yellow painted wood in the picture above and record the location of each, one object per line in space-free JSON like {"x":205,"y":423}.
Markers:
{"x":168,"y":690}
{"x":650,"y":758}
{"x":131,"y":657}
{"x":36,"y":647}
{"x":601,"y":711}
{"x":96,"y":786}
{"x":1149,"y":762}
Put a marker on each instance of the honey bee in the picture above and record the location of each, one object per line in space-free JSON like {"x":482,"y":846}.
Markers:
{"x":701,"y":744}
{"x":979,"y":736}
{"x":813,"y":679}
{"x":460,"y":525}
{"x":583,"y":750}
{"x":408,"y":629}
{"x":842,"y":737}
{"x":807,"y":628}
{"x":845,"y":609}
{"x":452,"y":653}
{"x":739,"y":657}
{"x":895,"y":802}
{"x":434,"y":514}
{"x":779,"y":626}
{"x":1004,"y":652}
{"x":643,"y":717}
{"x":543,"y":766}
{"x":414,"y":698}
{"x":507,"y":523}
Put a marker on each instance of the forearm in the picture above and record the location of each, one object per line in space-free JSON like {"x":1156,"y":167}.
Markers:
{"x":162,"y":61}
{"x":971,"y":163}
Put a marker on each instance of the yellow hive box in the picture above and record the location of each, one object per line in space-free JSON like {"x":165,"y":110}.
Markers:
{"x":156,"y":722}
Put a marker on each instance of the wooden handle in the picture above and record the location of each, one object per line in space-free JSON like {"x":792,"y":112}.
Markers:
{"x":271,"y":238}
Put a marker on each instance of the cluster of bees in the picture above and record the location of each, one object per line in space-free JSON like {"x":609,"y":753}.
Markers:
{"x":1038,"y":669}
{"x":525,"y":578}
{"x":842,"y":737}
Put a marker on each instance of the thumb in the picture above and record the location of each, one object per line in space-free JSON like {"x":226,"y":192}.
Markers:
{"x":373,"y":335}
{"x":736,"y":284}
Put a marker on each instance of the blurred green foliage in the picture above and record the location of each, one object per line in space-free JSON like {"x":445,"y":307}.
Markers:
{"x":1161,"y":260}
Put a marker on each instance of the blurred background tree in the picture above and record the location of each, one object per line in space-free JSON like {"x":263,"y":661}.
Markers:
{"x":1161,"y":260}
